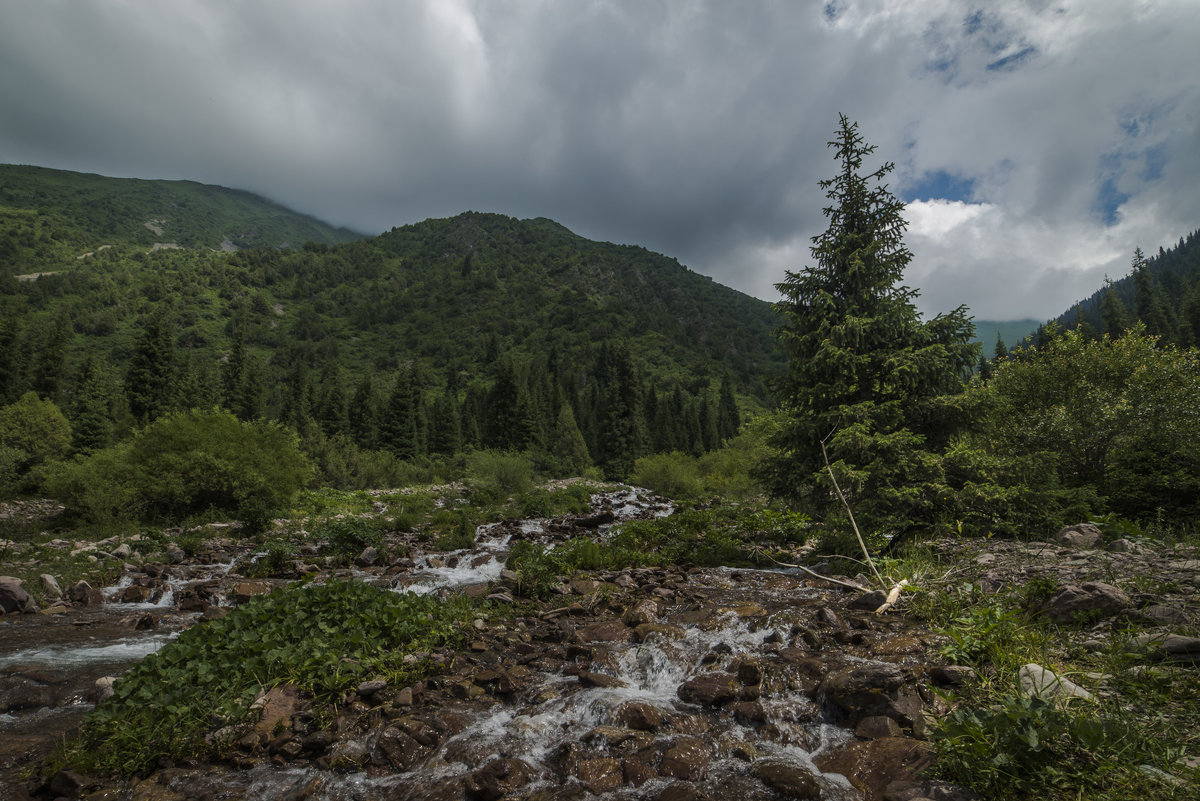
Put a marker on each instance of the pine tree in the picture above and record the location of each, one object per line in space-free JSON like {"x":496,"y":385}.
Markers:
{"x":566,"y":443}
{"x":729,"y":420}
{"x":1113,"y":313}
{"x":363,"y":414}
{"x":1001,"y":350}
{"x":1150,"y":304}
{"x":867,"y":377}
{"x":150,"y":380}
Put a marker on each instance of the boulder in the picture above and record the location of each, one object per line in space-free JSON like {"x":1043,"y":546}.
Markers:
{"x":787,"y":779}
{"x":639,"y":715}
{"x":868,"y":601}
{"x":1092,"y":600}
{"x":686,"y":759}
{"x":872,"y":765}
{"x":243,"y":591}
{"x":13,"y":597}
{"x":85,"y":594}
{"x":497,"y":779}
{"x":398,"y":749}
{"x":710,"y":689}
{"x":1037,"y":681}
{"x":600,"y":774}
{"x":604,"y":631}
{"x":870,"y":690}
{"x":1080,"y":535}
{"x":51,"y":586}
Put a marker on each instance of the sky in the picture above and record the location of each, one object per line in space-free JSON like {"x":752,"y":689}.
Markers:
{"x":1035,"y":143}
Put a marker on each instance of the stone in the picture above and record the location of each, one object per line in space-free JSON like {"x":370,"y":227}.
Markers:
{"x":497,"y":779}
{"x":175,"y":554}
{"x":585,"y":586}
{"x":135,"y":594}
{"x":639,"y":715}
{"x":664,"y":631}
{"x":13,"y":597}
{"x":787,"y":779}
{"x":871,"y":765}
{"x":868,"y":601}
{"x":876,"y":726}
{"x":644,"y":611}
{"x":637,"y":772}
{"x":1037,"y":681}
{"x":870,"y":690}
{"x":589,"y":679}
{"x":399,"y":749}
{"x":604,"y":631}
{"x":104,"y":689}
{"x":600,"y":774}
{"x":1092,"y":600}
{"x":122,"y":551}
{"x":278,"y":705}
{"x":1170,"y":647}
{"x":243,"y":591}
{"x":952,"y":675}
{"x":368,"y":557}
{"x":680,"y":791}
{"x":1080,"y":535}
{"x":750,"y":671}
{"x":926,"y":790}
{"x":1161,"y":615}
{"x":709,"y":689}
{"x":50,"y":586}
{"x":368,"y":688}
{"x":70,"y":784}
{"x":686,"y":759}
{"x":85,"y":594}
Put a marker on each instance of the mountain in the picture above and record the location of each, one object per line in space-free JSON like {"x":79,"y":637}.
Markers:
{"x":49,"y":217}
{"x":479,"y":330}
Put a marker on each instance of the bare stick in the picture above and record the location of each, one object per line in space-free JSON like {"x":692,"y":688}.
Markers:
{"x":850,"y":512}
{"x":848,"y":584}
{"x":893,"y":596}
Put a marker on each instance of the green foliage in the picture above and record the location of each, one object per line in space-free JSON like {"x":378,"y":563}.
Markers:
{"x":345,"y":539}
{"x":866,"y":375}
{"x":1117,"y":418}
{"x":1023,"y":746}
{"x":187,"y":463}
{"x":674,"y":474}
{"x":32,"y":432}
{"x":321,"y":638}
{"x":984,"y":633}
{"x":276,"y":560}
{"x":496,"y":474}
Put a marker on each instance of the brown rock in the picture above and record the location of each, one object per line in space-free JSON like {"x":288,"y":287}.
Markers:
{"x":243,"y":591}
{"x":135,"y":594}
{"x":1091,"y":600}
{"x":872,"y":765}
{"x":869,"y":690}
{"x":1080,"y":535}
{"x":637,"y":772}
{"x":604,"y":631}
{"x":13,"y":597}
{"x":497,"y":779}
{"x":710,"y":689}
{"x":399,"y":749}
{"x":639,"y":715}
{"x":790,"y":781}
{"x":680,"y":791}
{"x":278,"y":706}
{"x":600,"y":774}
{"x":868,"y":601}
{"x":644,"y":611}
{"x":687,"y":759}
{"x":877,"y":726}
{"x":663,"y":631}
{"x":590,"y":679}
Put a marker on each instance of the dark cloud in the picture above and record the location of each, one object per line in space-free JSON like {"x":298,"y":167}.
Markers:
{"x":1041,"y":143}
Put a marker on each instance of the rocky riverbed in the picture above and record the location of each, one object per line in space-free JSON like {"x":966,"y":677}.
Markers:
{"x":674,"y":683}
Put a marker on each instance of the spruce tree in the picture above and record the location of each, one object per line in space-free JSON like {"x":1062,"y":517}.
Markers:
{"x":867,"y":377}
{"x":1151,"y":306}
{"x":153,"y":369}
{"x":1113,"y":313}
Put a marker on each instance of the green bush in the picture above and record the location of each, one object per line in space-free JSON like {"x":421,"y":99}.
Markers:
{"x":32,"y":432}
{"x":321,"y":638}
{"x":346,"y":539}
{"x":497,"y":474}
{"x":675,"y":474}
{"x":187,"y":463}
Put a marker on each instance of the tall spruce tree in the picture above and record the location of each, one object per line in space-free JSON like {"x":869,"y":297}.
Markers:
{"x":867,"y":376}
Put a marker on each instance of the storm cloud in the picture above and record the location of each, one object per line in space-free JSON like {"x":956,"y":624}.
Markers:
{"x":1037,"y":143}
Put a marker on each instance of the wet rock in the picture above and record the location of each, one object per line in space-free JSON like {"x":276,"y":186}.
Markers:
{"x":750,"y":671}
{"x":175,"y":554}
{"x":926,"y":790}
{"x":639,"y":715}
{"x":278,"y":705}
{"x":952,"y":675}
{"x":872,"y":765}
{"x":790,"y":781}
{"x":50,"y":586}
{"x":13,"y":597}
{"x":1092,"y":600}
{"x":644,"y":611}
{"x":400,"y":750}
{"x":317,"y":742}
{"x":1038,"y":681}
{"x":243,"y":591}
{"x":664,"y":631}
{"x":497,"y":779}
{"x":70,"y":784}
{"x":868,"y":601}
{"x":140,"y":622}
{"x":604,"y":631}
{"x":368,"y":557}
{"x":600,"y":774}
{"x":748,"y":712}
{"x":589,"y":679}
{"x":636,"y":772}
{"x":595,"y":521}
{"x":876,"y":726}
{"x":135,"y":594}
{"x":1080,"y":535}
{"x":681,"y":791}
{"x":686,"y":759}
{"x":869,"y":690}
{"x":710,"y":689}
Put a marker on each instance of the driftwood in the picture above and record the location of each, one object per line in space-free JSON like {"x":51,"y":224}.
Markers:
{"x":893,"y":596}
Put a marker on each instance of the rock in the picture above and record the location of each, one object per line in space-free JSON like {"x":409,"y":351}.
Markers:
{"x":604,"y":631}
{"x":876,"y":726}
{"x":869,"y":601}
{"x":639,"y":715}
{"x":85,"y":594}
{"x":122,"y":551}
{"x":870,"y":690}
{"x":278,"y":705}
{"x":590,"y":679}
{"x":664,"y":631}
{"x":872,"y":765}
{"x":584,"y":586}
{"x":710,"y":689}
{"x":497,"y":779}
{"x":243,"y":591}
{"x":926,"y":790}
{"x":399,"y":749}
{"x":1092,"y":600}
{"x":952,"y":675}
{"x":50,"y":585}
{"x":1160,"y":615}
{"x":748,"y":712}
{"x":750,"y":671}
{"x":70,"y":784}
{"x":595,"y":521}
{"x":686,"y":759}
{"x":104,"y":689}
{"x":13,"y":597}
{"x":680,"y":791}
{"x":789,"y":780}
{"x":175,"y":554}
{"x":368,"y":688}
{"x":1080,"y":535}
{"x":1037,"y":681}
{"x":644,"y":611}
{"x":135,"y":594}
{"x":1171,"y":647}
{"x":600,"y":774}
{"x":637,"y":772}
{"x":368,"y":557}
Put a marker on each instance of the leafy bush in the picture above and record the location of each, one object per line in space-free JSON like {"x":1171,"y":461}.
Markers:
{"x":675,"y":474}
{"x":496,"y":474}
{"x":186,"y":463}
{"x":321,"y":638}
{"x":346,"y":539}
{"x":32,"y":432}
{"x":276,"y":560}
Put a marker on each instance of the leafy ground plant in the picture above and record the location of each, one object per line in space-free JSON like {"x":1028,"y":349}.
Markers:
{"x":321,"y":638}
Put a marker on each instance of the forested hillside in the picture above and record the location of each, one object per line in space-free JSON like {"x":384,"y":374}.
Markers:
{"x":479,"y":331}
{"x":50,"y":217}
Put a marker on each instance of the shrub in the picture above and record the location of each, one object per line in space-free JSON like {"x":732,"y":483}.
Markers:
{"x":675,"y":474}
{"x":32,"y":432}
{"x":497,"y":473}
{"x":346,"y":539}
{"x":186,"y":463}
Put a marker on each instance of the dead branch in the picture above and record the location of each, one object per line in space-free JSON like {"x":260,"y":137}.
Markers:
{"x":892,"y":597}
{"x":850,"y":512}
{"x":814,"y":574}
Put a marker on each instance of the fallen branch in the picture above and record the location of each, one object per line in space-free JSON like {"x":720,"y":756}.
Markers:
{"x":892,"y":597}
{"x":814,"y":574}
{"x":850,"y":512}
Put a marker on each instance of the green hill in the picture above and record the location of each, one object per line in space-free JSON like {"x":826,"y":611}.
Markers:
{"x":49,"y":218}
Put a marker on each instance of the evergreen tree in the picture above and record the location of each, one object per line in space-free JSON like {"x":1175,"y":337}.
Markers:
{"x":12,"y":364}
{"x":399,"y":429}
{"x":91,"y":411}
{"x":507,"y":412}
{"x":445,"y":425}
{"x":1113,"y":313}
{"x":1151,"y":306}
{"x":621,"y":431}
{"x":729,"y":420}
{"x":566,"y":443}
{"x":1001,"y":350}
{"x":150,"y":380}
{"x":363,"y":414}
{"x":51,"y":363}
{"x":867,"y":377}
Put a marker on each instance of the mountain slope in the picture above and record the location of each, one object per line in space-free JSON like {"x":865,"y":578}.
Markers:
{"x":52,"y":216}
